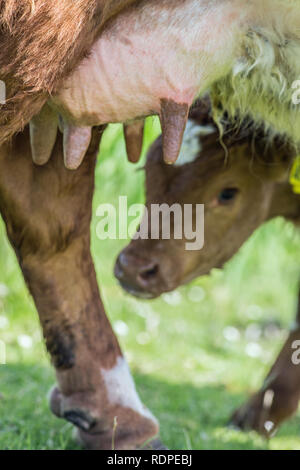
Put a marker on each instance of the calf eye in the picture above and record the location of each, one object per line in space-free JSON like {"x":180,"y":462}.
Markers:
{"x":227,"y":195}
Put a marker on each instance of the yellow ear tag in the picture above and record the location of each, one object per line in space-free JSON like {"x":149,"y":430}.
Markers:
{"x":295,"y":175}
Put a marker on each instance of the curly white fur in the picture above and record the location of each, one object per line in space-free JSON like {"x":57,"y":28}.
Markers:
{"x":259,"y":84}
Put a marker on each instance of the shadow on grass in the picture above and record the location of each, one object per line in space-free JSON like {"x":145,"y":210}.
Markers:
{"x":191,"y":417}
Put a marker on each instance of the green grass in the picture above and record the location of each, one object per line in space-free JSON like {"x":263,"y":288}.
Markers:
{"x":195,"y":354}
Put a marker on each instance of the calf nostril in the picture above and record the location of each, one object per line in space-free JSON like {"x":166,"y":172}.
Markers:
{"x":149,"y":273}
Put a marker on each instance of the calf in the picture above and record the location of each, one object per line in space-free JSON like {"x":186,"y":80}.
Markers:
{"x":240,"y":191}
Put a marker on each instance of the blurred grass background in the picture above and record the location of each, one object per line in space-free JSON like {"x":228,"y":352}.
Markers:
{"x":195,"y":354}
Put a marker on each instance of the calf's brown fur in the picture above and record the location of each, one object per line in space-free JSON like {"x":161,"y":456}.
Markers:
{"x":257,"y":175}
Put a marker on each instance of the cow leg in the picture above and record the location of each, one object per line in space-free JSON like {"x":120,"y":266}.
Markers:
{"x":279,"y":397}
{"x":47,"y":211}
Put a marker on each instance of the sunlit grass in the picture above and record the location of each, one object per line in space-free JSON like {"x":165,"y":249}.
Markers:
{"x":196,"y":354}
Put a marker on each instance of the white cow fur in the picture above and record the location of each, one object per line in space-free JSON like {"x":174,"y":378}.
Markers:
{"x":121,"y":389}
{"x":191,"y":144}
{"x":260,"y":81}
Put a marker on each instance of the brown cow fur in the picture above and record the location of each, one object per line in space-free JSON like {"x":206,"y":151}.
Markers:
{"x":283,"y":381}
{"x":42,"y":41}
{"x":47,"y":211}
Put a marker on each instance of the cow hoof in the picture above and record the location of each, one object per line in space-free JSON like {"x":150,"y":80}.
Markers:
{"x":79,"y":417}
{"x":55,"y":398}
{"x":265,"y":412}
{"x":96,"y":431}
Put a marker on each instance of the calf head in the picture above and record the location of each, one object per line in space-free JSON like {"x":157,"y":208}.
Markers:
{"x":236,"y":187}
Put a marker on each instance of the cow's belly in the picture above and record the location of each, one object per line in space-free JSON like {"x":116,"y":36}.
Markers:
{"x":163,"y":49}
{"x":249,"y":51}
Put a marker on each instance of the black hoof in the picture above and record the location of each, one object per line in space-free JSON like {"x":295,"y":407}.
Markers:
{"x":80,"y":419}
